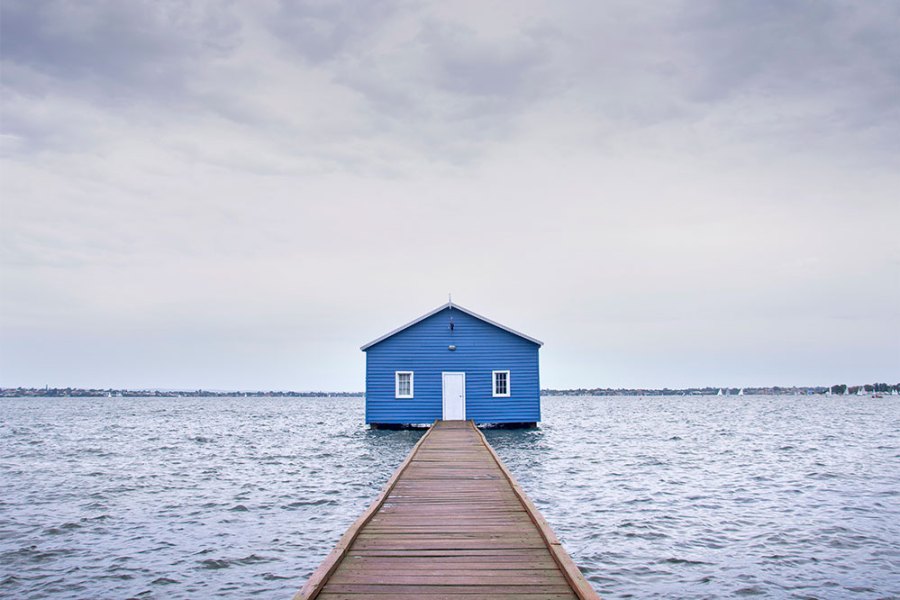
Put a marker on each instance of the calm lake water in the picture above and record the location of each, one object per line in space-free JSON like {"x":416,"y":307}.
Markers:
{"x":654,"y":497}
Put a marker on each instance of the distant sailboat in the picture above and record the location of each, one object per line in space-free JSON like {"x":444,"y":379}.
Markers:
{"x":894,"y":392}
{"x":861,"y":391}
{"x":720,"y":392}
{"x":741,"y":393}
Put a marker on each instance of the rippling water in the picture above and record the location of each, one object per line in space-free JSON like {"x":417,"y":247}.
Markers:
{"x":661,"y":497}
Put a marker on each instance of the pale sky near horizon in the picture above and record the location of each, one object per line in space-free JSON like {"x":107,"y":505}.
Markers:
{"x":237,"y":195}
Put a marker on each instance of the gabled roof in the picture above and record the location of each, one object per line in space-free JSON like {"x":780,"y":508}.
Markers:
{"x":457,"y":307}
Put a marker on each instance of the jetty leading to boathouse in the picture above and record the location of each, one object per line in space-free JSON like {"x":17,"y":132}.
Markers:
{"x":450,"y":523}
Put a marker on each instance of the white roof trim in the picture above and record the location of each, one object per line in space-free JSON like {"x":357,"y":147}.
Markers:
{"x":457,"y":307}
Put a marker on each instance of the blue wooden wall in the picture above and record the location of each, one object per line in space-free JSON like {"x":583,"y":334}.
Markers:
{"x":480,"y":349}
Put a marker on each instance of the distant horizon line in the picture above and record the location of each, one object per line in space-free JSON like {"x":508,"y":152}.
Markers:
{"x":596,"y":391}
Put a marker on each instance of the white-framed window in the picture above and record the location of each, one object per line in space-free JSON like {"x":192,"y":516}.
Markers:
{"x":501,"y":384}
{"x":403,"y":384}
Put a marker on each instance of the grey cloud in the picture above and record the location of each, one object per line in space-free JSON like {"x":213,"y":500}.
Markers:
{"x":795,"y":47}
{"x":839,"y":60}
{"x":116,"y":48}
{"x":735,"y":46}
{"x":320,"y":31}
{"x":443,"y":78}
{"x":791,"y":72}
{"x":462,"y":63}
{"x":27,"y":133}
{"x":446,"y":90}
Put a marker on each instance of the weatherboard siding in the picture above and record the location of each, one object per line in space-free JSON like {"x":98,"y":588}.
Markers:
{"x":480,"y":349}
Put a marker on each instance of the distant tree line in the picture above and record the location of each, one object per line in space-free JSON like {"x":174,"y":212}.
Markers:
{"x":839,"y":389}
{"x":69,"y":392}
{"x":872,"y":388}
{"x":48,"y":392}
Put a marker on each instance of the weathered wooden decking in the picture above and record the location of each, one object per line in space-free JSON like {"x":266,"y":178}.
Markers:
{"x":451,"y":522}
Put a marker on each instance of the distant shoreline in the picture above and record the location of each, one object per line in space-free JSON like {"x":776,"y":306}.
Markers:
{"x":200,"y":393}
{"x":837,"y":390}
{"x":842,"y":389}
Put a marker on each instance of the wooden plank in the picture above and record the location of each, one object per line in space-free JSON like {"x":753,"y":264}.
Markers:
{"x":442,"y":564}
{"x":424,"y":591}
{"x":394,"y":595}
{"x":455,"y":578}
{"x":517,"y":552}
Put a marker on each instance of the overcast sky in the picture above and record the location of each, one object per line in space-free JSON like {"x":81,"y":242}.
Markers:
{"x":237,"y":195}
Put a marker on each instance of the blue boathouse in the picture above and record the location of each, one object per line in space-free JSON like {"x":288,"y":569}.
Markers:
{"x":450,"y":364}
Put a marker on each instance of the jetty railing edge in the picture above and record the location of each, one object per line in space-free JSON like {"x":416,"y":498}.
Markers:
{"x":571,"y":572}
{"x":320,"y":576}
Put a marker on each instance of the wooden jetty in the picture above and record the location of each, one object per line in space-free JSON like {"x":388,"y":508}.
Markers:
{"x":451,"y":523}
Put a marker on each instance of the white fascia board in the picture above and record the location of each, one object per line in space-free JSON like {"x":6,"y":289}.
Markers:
{"x":451,"y":306}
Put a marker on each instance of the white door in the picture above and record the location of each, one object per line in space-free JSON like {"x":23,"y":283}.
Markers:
{"x":454,"y":385}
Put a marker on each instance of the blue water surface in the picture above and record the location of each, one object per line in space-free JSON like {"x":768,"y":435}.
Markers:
{"x":783,"y":497}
